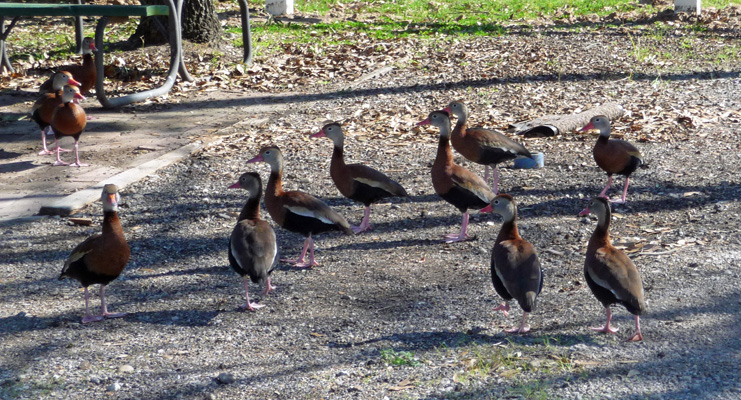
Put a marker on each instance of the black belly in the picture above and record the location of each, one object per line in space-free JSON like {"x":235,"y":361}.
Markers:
{"x":368,"y":194}
{"x":78,"y":270}
{"x":36,"y":117}
{"x":463,"y":200}
{"x":307,"y":225}
{"x":634,"y":163}
{"x":493,"y":156}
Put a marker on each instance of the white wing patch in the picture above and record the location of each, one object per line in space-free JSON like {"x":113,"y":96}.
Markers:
{"x":370,"y":182}
{"x":308,"y":213}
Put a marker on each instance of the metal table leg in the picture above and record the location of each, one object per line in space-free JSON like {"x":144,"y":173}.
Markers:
{"x":175,"y":57}
{"x":79,"y":35}
{"x":4,"y":60}
{"x":246,"y":32}
{"x":179,"y":27}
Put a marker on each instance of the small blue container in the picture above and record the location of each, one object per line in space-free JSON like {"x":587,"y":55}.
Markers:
{"x":525,"y":163}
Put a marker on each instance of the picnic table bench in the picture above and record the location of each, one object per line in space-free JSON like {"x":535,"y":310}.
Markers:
{"x":18,"y":10}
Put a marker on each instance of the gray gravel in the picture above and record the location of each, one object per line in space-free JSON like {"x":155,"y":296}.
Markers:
{"x":396,"y":313}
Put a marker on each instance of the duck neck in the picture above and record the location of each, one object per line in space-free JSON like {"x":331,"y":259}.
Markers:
{"x":274,"y":187}
{"x":601,"y":235}
{"x":112,"y":224}
{"x":444,"y":153}
{"x":460,"y":125}
{"x":87,"y":60}
{"x":509,"y":228}
{"x":251,"y":209}
{"x":338,"y":157}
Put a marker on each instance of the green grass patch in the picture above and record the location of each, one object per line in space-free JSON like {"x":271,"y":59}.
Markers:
{"x":393,"y":357}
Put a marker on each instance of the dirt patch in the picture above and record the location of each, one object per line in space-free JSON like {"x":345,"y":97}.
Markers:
{"x":396,"y":313}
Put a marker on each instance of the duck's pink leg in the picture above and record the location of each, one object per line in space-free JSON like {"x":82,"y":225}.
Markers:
{"x":268,"y":287}
{"x":301,"y":262}
{"x":637,"y":337}
{"x":89,"y":318}
{"x":104,"y":309}
{"x":504,"y":308}
{"x":486,"y":173}
{"x":463,"y":235}
{"x":625,"y":191}
{"x":312,"y":263}
{"x":44,"y":151}
{"x":365,"y":224}
{"x":59,"y":160}
{"x":523,"y":328}
{"x":48,"y":131}
{"x":606,"y":328}
{"x":77,"y":158}
{"x":247,"y":305}
{"x":604,"y":191}
{"x":303,"y":254}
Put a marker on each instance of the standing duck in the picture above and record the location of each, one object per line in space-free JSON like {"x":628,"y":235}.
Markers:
{"x":455,"y":184}
{"x":102,"y":257}
{"x":614,"y":156}
{"x":43,"y":108}
{"x":297,"y":211}
{"x":610,"y":274}
{"x":356,"y":181}
{"x":85,"y":73}
{"x":253,"y":252}
{"x":515,"y":269}
{"x":482,"y":146}
{"x":69,"y":119}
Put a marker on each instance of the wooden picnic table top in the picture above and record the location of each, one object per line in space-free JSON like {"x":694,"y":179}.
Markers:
{"x":78,"y":10}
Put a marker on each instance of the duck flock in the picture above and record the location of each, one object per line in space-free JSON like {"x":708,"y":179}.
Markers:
{"x":253,"y":250}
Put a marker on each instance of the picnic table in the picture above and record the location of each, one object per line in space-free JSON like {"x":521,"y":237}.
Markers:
{"x":173,"y":9}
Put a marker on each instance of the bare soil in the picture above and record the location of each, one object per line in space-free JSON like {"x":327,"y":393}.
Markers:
{"x":396,"y":313}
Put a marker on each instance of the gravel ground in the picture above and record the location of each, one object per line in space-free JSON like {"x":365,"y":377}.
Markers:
{"x":396,"y":313}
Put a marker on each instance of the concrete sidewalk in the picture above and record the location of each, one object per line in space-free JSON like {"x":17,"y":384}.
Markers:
{"x":121,"y":146}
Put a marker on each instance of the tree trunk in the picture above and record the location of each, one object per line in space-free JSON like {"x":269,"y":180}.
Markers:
{"x":200,"y":24}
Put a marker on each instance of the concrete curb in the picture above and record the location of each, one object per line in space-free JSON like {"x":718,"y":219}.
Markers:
{"x":68,"y":205}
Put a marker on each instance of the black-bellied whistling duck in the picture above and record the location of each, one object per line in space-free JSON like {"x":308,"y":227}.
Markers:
{"x":515,"y":269}
{"x":482,"y":146}
{"x":614,"y":156}
{"x":102,"y":257}
{"x":69,"y":119}
{"x":356,"y":181}
{"x":297,"y":211}
{"x":43,"y":108}
{"x":253,"y":251}
{"x":610,"y":274}
{"x":455,"y":184}
{"x":85,"y":73}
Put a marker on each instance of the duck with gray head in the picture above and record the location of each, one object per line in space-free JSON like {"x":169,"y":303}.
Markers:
{"x":357,"y":181}
{"x":515,"y":269}
{"x":455,"y":184}
{"x":610,"y":274}
{"x":253,"y":250}
{"x":102,"y":257}
{"x":297,"y":211}
{"x":614,"y":156}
